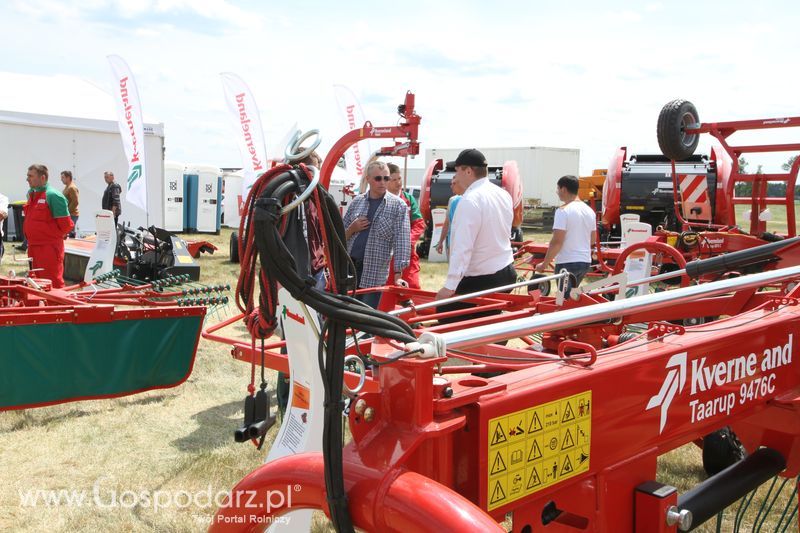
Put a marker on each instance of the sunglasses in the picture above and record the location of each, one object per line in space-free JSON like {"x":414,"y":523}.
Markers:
{"x":384,"y":178}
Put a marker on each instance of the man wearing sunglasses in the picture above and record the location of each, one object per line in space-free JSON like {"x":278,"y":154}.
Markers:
{"x":377,"y":229}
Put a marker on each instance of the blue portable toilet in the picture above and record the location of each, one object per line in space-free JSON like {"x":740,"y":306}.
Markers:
{"x":190,"y":179}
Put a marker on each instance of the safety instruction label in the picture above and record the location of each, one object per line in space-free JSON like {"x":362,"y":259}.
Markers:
{"x":537,"y":447}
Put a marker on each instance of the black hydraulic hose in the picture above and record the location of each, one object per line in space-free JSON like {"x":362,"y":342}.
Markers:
{"x":280,"y":264}
{"x":246,"y":236}
{"x":340,"y":311}
{"x":736,"y":260}
{"x":332,"y":434}
{"x":343,"y":265}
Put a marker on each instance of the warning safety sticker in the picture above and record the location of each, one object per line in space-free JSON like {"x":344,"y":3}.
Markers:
{"x":537,"y":447}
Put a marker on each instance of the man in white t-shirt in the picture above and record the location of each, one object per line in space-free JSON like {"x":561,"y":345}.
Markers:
{"x":573,"y":233}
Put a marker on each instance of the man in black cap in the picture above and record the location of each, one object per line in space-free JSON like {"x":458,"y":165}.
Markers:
{"x":480,"y":244}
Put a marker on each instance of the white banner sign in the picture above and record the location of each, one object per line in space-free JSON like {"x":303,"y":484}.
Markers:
{"x":131,"y":128}
{"x":353,"y":116}
{"x":247,"y":128}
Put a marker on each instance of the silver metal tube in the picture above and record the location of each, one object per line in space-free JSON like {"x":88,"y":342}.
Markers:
{"x":291,"y":153}
{"x":593,"y":313}
{"x":651,"y":279}
{"x":462,"y":297}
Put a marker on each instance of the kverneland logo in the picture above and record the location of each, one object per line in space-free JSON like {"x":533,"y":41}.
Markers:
{"x":123,"y":91}
{"x":778,"y":121}
{"x":136,"y":173}
{"x":673,"y":384}
{"x":244,"y":122}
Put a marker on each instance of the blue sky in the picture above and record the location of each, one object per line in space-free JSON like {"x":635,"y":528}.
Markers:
{"x":588,"y":75}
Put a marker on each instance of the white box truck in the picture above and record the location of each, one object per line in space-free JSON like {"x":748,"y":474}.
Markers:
{"x":539,"y":167}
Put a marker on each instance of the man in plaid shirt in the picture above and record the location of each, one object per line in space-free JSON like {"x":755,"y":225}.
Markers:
{"x":377,"y":227}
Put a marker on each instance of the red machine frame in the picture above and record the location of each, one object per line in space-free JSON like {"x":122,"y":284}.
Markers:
{"x":758,"y":200}
{"x":425,"y":447}
{"x":441,"y":425}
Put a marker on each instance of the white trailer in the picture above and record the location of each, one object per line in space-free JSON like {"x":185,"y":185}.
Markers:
{"x":231,"y":198}
{"x":74,"y":128}
{"x":539,"y":167}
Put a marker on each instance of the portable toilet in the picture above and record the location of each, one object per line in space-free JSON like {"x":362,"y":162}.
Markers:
{"x":231,"y":198}
{"x":173,"y":196}
{"x":189,"y":200}
{"x":205,"y":186}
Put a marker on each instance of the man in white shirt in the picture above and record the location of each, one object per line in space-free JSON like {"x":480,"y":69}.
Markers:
{"x":573,"y":234}
{"x":480,"y":245}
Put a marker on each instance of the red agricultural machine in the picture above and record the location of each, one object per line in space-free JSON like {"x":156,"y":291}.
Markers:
{"x":111,"y":337}
{"x":689,"y":200}
{"x":550,"y":411}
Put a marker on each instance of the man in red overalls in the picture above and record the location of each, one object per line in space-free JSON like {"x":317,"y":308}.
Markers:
{"x":47,"y":222}
{"x":411,"y":272}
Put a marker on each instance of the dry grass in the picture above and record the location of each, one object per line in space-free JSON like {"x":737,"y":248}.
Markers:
{"x":173,"y":440}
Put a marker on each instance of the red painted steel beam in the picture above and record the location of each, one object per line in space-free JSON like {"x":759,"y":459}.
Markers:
{"x":757,"y":124}
{"x":394,"y":501}
{"x":408,"y":130}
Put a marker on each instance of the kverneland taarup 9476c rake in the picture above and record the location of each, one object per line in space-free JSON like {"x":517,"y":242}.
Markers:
{"x":555,"y":410}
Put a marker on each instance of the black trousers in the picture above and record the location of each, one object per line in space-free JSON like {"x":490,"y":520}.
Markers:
{"x":468,"y":284}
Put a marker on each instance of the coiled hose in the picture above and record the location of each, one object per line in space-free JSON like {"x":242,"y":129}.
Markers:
{"x":262,"y":232}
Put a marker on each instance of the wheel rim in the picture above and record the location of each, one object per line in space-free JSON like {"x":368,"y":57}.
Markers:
{"x":688,"y":120}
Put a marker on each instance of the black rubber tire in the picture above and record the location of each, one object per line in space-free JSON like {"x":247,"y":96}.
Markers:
{"x":721,"y":449}
{"x":234,"y":247}
{"x":673,"y":141}
{"x":544,"y":287}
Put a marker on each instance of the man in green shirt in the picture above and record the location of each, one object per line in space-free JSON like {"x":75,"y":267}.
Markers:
{"x":47,"y":222}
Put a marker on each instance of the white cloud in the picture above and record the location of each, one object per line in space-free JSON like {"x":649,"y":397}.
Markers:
{"x":520,"y":78}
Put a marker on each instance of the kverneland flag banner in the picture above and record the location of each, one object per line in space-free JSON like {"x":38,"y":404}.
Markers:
{"x":131,"y":128}
{"x":247,"y":128}
{"x":350,"y":110}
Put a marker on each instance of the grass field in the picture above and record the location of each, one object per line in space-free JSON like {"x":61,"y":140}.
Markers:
{"x":178,"y":442}
{"x":777,"y":222}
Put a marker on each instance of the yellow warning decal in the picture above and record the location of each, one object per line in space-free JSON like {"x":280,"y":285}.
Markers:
{"x":498,"y":492}
{"x":497,"y":434}
{"x":498,"y":463}
{"x":534,"y":448}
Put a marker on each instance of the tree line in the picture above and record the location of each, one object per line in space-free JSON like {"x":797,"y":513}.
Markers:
{"x":775,"y":189}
